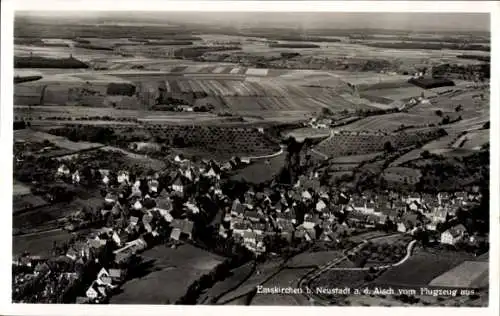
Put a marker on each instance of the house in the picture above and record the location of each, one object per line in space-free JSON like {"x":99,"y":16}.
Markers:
{"x":249,"y":238}
{"x":184,"y":228}
{"x":309,"y":222}
{"x":320,"y":206}
{"x":407,"y":223}
{"x":179,"y":184}
{"x":123,"y":177}
{"x":103,"y":277}
{"x":402,"y":227}
{"x":453,"y":235}
{"x":252,"y":216}
{"x":63,"y":171}
{"x":166,"y":215}
{"x":117,"y":209}
{"x":96,"y":291}
{"x":72,"y":254}
{"x":153,"y":186}
{"x":192,"y":208}
{"x":175,"y":234}
{"x":111,"y":198}
{"x":239,"y":227}
{"x":120,"y":238}
{"x":306,"y":195}
{"x":211,"y":173}
{"x":414,"y":206}
{"x":237,"y":209}
{"x":259,"y":228}
{"x":96,"y":243}
{"x":75,"y":178}
{"x":222,"y":231}
{"x":163,"y":202}
{"x":117,"y":275}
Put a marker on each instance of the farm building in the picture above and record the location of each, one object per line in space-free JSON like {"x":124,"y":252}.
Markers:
{"x":430,"y":83}
{"x":453,"y":235}
{"x":470,"y":274}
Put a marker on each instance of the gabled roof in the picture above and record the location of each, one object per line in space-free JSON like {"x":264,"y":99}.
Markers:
{"x":180,"y":180}
{"x":237,"y":207}
{"x":457,"y":230}
{"x":186,"y":226}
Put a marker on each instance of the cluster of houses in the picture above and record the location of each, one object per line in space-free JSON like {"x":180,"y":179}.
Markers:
{"x":139,"y":213}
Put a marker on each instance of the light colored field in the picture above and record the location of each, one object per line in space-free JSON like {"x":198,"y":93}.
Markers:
{"x":466,"y":275}
{"x":174,"y":270}
{"x":19,"y":188}
{"x":389,"y":122}
{"x":82,"y":54}
{"x":307,"y":132}
{"x":308,"y":259}
{"x":473,"y":140}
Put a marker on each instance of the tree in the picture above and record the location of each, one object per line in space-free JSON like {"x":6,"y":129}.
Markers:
{"x":326,"y":111}
{"x":388,"y":147}
{"x":439,"y":113}
{"x":425,"y":154}
{"x":458,"y":108}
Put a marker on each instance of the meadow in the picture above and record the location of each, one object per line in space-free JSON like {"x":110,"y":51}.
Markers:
{"x":177,"y":268}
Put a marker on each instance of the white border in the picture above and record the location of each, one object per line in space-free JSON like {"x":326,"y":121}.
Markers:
{"x":8,"y":6}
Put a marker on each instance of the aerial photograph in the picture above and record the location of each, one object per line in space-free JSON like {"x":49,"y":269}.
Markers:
{"x":251,"y":158}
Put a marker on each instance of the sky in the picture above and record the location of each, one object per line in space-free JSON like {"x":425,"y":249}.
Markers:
{"x":343,"y":20}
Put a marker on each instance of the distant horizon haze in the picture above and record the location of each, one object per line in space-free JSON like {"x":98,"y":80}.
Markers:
{"x":404,"y":21}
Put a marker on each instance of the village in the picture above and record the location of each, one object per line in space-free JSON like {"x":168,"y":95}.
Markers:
{"x":140,"y":212}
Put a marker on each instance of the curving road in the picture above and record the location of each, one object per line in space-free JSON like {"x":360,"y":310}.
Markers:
{"x":304,"y":282}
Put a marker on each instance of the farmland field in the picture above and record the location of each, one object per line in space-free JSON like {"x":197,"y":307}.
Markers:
{"x":422,"y":267}
{"x":237,"y":276}
{"x":176,"y":267}
{"x":39,"y":244}
{"x":468,"y":274}
{"x":473,"y":140}
{"x":263,"y":272}
{"x":390,"y":122}
{"x":340,"y":278}
{"x":19,"y":188}
{"x":46,"y":216}
{"x":59,"y":141}
{"x":307,"y":132}
{"x":261,"y":170}
{"x":308,"y":259}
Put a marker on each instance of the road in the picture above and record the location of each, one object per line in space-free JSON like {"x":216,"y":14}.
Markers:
{"x":304,"y":282}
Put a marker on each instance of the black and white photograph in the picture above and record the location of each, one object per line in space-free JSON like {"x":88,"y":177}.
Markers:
{"x":270,"y":158}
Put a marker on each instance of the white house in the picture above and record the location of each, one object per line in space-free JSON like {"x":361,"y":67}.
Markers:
{"x":105,"y":180}
{"x":103,"y":277}
{"x":453,"y":235}
{"x":63,"y":170}
{"x":137,"y":205}
{"x":76,"y":177}
{"x":306,"y":195}
{"x":320,"y":206}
